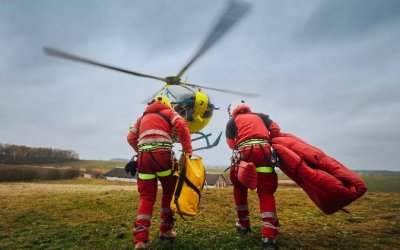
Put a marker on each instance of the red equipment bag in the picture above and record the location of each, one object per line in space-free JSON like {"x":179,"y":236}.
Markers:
{"x":247,"y":174}
{"x":329,"y":184}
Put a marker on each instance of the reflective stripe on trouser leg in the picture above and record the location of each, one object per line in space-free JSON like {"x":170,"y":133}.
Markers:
{"x":165,"y":173}
{"x":242,"y":207}
{"x":265,"y":169}
{"x":270,"y":227}
{"x":240,"y":197}
{"x":144,"y":176}
{"x":167,"y":220}
{"x":168,"y":186}
{"x":141,"y":230}
{"x":148,"y":193}
{"x":243,"y":215}
{"x":268,"y":215}
{"x":266,"y":187}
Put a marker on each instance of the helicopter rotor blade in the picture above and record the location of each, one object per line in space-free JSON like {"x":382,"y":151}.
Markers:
{"x":64,"y":55}
{"x":150,"y":98}
{"x":226,"y":91}
{"x":233,"y":13}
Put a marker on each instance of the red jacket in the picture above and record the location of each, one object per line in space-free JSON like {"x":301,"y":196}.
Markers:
{"x":157,"y":125}
{"x":245,"y":125}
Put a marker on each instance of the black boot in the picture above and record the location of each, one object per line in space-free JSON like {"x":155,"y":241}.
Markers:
{"x":241,"y":229}
{"x":268,"y":243}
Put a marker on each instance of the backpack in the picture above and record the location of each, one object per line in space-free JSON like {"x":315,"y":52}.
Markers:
{"x":246,"y":173}
{"x":189,"y":186}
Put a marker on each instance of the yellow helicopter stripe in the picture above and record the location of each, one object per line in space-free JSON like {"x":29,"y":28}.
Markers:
{"x":200,"y":106}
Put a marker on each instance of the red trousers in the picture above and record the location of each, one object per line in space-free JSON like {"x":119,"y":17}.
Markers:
{"x":156,"y":163}
{"x":267,"y":184}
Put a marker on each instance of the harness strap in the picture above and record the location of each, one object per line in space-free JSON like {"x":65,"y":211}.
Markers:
{"x":154,"y":146}
{"x":252,"y":142}
{"x":265,"y":169}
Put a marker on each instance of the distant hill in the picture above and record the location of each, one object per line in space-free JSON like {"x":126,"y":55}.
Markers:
{"x":119,"y":160}
{"x":377,"y":172}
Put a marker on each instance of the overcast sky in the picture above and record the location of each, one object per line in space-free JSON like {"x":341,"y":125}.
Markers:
{"x":328,"y":72}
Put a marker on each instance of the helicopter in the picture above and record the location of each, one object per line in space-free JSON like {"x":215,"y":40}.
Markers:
{"x":188,"y":100}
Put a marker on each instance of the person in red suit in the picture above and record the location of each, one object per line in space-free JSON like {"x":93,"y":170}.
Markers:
{"x":151,"y":136}
{"x":250,"y":134}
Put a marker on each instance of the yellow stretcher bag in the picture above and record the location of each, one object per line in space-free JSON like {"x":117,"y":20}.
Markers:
{"x":189,"y":186}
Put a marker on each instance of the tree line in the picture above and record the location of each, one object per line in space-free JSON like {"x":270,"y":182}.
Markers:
{"x":17,"y":154}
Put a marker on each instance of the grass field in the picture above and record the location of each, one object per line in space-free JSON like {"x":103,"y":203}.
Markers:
{"x":96,"y":214}
{"x":88,"y":164}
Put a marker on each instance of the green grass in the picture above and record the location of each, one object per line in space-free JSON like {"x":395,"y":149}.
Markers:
{"x":82,"y":214}
{"x":377,"y":183}
{"x":88,"y":164}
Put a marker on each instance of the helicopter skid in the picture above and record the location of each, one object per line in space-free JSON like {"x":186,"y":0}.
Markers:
{"x":206,"y":136}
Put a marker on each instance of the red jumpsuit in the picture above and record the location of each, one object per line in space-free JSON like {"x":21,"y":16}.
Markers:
{"x":251,"y":133}
{"x":151,"y":138}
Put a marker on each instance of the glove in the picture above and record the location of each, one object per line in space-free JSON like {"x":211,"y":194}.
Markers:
{"x":130,"y":167}
{"x":181,"y":162}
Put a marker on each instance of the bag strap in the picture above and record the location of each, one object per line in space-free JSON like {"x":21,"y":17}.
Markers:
{"x":183,"y":179}
{"x":178,"y":191}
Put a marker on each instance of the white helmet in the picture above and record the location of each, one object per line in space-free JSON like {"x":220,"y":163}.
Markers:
{"x":236,"y":104}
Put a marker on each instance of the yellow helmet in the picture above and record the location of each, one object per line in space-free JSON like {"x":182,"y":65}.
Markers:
{"x":162,"y":99}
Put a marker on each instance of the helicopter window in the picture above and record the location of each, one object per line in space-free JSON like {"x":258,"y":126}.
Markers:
{"x":182,"y":99}
{"x":178,"y":92}
{"x":185,"y":108}
{"x":209,"y":111}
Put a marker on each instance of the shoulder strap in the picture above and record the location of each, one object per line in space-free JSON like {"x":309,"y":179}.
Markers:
{"x":166,"y":119}
{"x":160,"y":114}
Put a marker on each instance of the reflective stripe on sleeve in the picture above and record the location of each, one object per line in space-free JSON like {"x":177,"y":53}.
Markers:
{"x":176,"y":116}
{"x":133,"y":129}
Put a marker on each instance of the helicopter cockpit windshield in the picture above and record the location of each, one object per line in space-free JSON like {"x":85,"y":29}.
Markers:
{"x":182,"y":99}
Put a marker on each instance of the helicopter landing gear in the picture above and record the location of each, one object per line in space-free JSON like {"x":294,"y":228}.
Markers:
{"x":205,"y":136}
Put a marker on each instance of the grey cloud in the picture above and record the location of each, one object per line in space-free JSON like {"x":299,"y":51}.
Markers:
{"x":340,"y":95}
{"x":338,"y":20}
